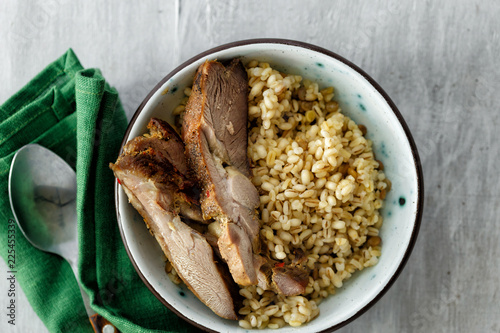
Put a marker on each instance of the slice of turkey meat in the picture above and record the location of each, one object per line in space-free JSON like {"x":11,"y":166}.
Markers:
{"x":216,"y":137}
{"x":153,"y":172}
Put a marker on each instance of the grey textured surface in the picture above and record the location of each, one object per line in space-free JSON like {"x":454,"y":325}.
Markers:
{"x":439,"y":62}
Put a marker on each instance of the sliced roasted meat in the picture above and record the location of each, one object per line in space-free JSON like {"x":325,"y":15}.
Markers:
{"x":154,"y":174}
{"x":288,"y":280}
{"x":215,"y":134}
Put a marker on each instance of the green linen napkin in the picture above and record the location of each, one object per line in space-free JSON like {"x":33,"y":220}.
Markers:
{"x":76,"y":114}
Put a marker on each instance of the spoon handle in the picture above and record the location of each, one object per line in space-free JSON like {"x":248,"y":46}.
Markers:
{"x":102,"y":325}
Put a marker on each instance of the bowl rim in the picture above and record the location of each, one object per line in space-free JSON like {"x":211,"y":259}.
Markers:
{"x":378,"y":88}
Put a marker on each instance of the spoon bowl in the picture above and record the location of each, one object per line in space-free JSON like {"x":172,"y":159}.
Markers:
{"x":42,"y":193}
{"x":44,"y":200}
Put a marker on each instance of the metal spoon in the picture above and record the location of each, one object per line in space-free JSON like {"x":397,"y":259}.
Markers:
{"x":42,"y":193}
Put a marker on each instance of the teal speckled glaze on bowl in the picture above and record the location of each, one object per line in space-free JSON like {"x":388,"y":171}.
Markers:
{"x":362,"y":99}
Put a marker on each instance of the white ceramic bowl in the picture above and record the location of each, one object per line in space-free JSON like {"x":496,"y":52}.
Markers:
{"x":362,"y":99}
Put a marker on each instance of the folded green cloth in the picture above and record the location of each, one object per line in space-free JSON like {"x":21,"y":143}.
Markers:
{"x":76,"y":114}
